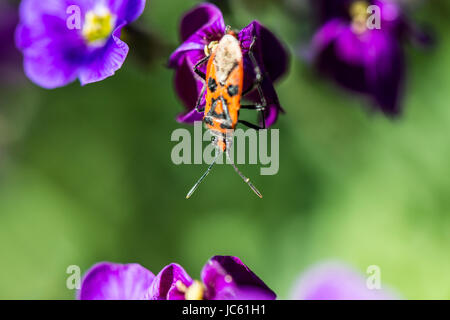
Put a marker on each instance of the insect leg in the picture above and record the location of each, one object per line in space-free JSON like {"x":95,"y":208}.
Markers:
{"x":257,"y":84}
{"x":198,"y":64}
{"x":252,"y":107}
{"x":259,"y":108}
{"x":258,"y":74}
{"x":203,"y":76}
{"x":199,"y":100}
{"x":251,"y":125}
{"x":228,"y":122}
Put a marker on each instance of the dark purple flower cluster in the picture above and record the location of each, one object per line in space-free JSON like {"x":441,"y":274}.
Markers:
{"x":363,"y":59}
{"x":222,"y":278}
{"x":204,"y":24}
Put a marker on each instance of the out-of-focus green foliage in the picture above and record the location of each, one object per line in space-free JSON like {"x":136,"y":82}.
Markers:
{"x":86,"y":176}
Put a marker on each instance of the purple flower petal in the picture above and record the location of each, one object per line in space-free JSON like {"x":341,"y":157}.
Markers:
{"x":271,"y":114}
{"x":111,"y":281}
{"x":190,"y":117}
{"x":33,"y":11}
{"x":370,"y":63}
{"x":272,"y":59}
{"x":327,"y":34}
{"x":328,"y":61}
{"x":48,"y":63}
{"x":191,"y":51}
{"x":385,"y":72}
{"x":106,"y":62}
{"x":336,"y":281}
{"x":272,"y":54}
{"x":203,"y":16}
{"x":126,"y":10}
{"x":227,"y":278}
{"x":52,"y":52}
{"x":188,"y":86}
{"x":55,"y":55}
{"x":198,"y":28}
{"x":164,"y":287}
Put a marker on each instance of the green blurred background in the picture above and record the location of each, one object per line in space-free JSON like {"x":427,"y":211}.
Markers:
{"x":86,"y":175}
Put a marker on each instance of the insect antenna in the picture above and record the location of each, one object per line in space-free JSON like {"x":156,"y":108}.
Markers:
{"x":246,"y":180}
{"x":203,"y":176}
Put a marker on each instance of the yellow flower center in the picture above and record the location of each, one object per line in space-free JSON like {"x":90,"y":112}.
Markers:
{"x":98,"y":25}
{"x":194,"y":292}
{"x":359,"y":15}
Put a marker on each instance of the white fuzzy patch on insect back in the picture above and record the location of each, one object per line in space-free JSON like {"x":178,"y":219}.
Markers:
{"x":228,"y":54}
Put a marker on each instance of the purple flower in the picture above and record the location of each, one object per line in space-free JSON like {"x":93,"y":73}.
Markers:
{"x":337,"y":281}
{"x":63,"y":40}
{"x":111,"y":281}
{"x":223,"y":278}
{"x":366,"y":60}
{"x":205,"y":24}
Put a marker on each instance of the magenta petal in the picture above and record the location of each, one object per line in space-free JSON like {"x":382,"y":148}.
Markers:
{"x":188,"y":86}
{"x":199,"y":27}
{"x":203,"y":16}
{"x":326,"y":35}
{"x":371,"y":63}
{"x":190,"y":117}
{"x":164,"y":286}
{"x":227,"y":278}
{"x":193,"y":50}
{"x":352,"y":48}
{"x":106,"y":62}
{"x":271,"y":114}
{"x":272,"y":59}
{"x":111,"y":281}
{"x":336,"y":281}
{"x":272,"y":53}
{"x":385,"y":72}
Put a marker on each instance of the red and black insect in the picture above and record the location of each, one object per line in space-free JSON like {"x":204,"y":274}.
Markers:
{"x":224,"y":89}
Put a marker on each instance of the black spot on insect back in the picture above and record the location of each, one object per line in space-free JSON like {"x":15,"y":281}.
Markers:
{"x":233,"y":90}
{"x":208,"y":120}
{"x":212,"y":85}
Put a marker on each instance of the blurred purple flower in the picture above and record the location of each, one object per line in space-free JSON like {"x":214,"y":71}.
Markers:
{"x":57,"y":51}
{"x":223,"y":278}
{"x":9,"y":55}
{"x":366,"y":60}
{"x":205,"y":24}
{"x":337,"y":281}
{"x":112,"y":281}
